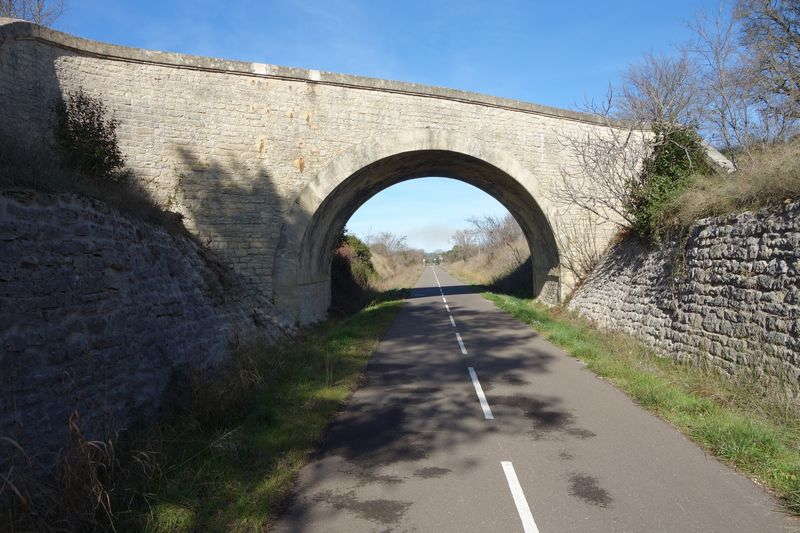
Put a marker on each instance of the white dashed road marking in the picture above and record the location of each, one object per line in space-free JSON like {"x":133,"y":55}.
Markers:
{"x":487,"y":412}
{"x":528,"y":525}
{"x":524,"y":510}
{"x":461,"y":343}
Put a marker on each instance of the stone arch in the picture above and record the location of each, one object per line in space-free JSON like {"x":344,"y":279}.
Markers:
{"x":302,"y":263}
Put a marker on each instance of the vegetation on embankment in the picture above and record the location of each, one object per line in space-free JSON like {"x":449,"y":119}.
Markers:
{"x":501,"y":274}
{"x":362,"y":272}
{"x":767,"y":175}
{"x":736,"y":82}
{"x":227,"y":461}
{"x":738,"y":420}
{"x":85,"y":159}
{"x":492,"y":252}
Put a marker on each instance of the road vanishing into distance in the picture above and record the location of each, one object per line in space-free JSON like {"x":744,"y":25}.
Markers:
{"x":469,"y":421}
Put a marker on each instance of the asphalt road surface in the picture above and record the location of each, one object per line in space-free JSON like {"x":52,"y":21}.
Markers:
{"x":469,"y":421}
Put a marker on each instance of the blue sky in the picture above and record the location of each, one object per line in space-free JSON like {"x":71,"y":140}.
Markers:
{"x":556,"y":53}
{"x":431,"y":220}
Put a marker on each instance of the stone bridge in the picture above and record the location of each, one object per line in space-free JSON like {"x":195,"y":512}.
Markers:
{"x":268,"y":163}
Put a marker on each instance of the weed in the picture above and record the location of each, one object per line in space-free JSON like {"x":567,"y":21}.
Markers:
{"x":677,"y":155}
{"x":77,"y":497}
{"x":87,"y":470}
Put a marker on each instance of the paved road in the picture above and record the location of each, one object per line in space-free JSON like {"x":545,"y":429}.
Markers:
{"x":552,"y":448}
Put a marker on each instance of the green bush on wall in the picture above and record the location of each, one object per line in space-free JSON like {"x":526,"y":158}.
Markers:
{"x":678,"y":155}
{"x":87,"y":138}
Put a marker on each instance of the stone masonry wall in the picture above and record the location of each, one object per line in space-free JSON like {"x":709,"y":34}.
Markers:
{"x":100,"y":313}
{"x":733,"y":300}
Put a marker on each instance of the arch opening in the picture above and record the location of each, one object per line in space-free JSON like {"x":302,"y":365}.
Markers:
{"x":302,"y":267}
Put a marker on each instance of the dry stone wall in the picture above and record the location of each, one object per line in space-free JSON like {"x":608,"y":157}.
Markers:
{"x":730,"y":296}
{"x":100,"y":314}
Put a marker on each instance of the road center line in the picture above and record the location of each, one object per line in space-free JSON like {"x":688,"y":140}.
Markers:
{"x":460,"y":342}
{"x":528,"y":525}
{"x":452,"y":322}
{"x":447,"y":307}
{"x":440,"y":287}
{"x":487,"y":413}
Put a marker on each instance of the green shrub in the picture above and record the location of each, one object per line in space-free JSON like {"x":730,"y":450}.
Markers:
{"x":87,"y":138}
{"x":351,"y":274}
{"x":678,"y":154}
{"x":87,"y":162}
{"x":360,"y":248}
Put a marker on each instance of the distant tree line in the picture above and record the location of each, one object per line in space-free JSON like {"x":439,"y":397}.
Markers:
{"x":488,"y":235}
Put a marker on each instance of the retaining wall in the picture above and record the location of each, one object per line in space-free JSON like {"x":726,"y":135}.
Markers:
{"x":730,"y":296}
{"x":100,"y":314}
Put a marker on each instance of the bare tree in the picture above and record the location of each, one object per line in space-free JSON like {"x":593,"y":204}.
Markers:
{"x":771,"y":34}
{"x":464,"y":244}
{"x":604,"y":165}
{"x":386,"y":243}
{"x":394,"y":247}
{"x":43,"y":12}
{"x":738,"y":107}
{"x":493,"y":233}
{"x":659,"y":90}
{"x":578,"y":243}
{"x":605,"y":173}
{"x":738,"y":81}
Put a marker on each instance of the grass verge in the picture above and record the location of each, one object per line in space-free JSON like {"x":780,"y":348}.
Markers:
{"x":753,"y":429}
{"x":227,"y":464}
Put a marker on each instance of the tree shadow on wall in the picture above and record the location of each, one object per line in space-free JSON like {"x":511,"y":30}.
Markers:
{"x":234,"y":209}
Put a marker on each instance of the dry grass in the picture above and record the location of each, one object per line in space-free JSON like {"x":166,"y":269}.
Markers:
{"x":228,"y":461}
{"x":224,"y":455}
{"x":87,"y":471}
{"x":393,"y":273}
{"x":74,"y":497}
{"x":476,"y":270}
{"x":767,"y":176}
{"x":487,"y":267}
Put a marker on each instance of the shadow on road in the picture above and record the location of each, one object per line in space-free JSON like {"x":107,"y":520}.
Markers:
{"x":416,"y":411}
{"x":448,"y":290}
